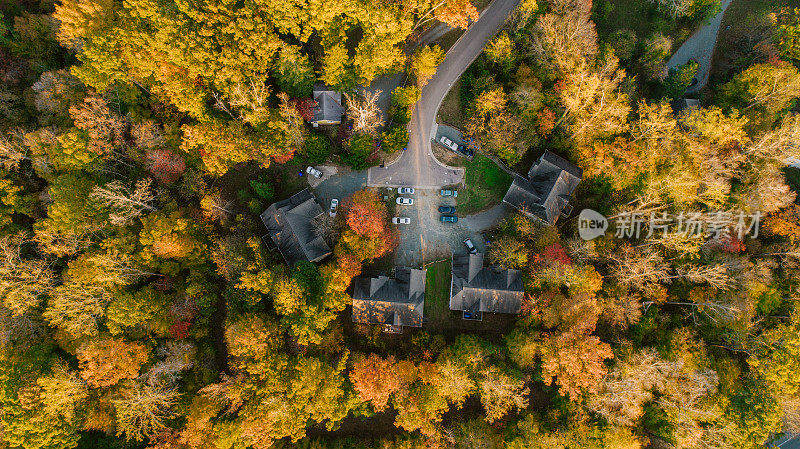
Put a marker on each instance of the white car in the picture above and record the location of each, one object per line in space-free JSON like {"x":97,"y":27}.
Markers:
{"x":334,"y":207}
{"x":313,"y":172}
{"x":401,"y":220}
{"x":448,"y":143}
{"x":405,"y":201}
{"x":405,"y":190}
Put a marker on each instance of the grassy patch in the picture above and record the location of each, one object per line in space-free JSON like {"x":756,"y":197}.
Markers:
{"x":437,"y":295}
{"x":485,"y":185}
{"x":450,"y":112}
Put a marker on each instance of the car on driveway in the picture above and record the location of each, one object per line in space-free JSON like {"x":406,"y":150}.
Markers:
{"x":447,"y":209}
{"x":470,"y":246}
{"x":468,"y":152}
{"x":401,"y":220}
{"x":448,"y":192}
{"x":313,"y":172}
{"x":405,"y":201}
{"x":447,"y":143}
{"x":405,"y":190}
{"x":334,"y":207}
{"x":448,"y":219}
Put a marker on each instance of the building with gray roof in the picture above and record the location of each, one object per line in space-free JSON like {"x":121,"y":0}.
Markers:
{"x":476,"y":288}
{"x":394,"y":302}
{"x":291,"y":230}
{"x":328,"y":109}
{"x":545,"y":193}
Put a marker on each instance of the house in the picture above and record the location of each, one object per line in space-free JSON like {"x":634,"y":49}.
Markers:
{"x":393,"y":303}
{"x":291,"y":229}
{"x":545,"y":193}
{"x":476,"y":289}
{"x":328,"y":109}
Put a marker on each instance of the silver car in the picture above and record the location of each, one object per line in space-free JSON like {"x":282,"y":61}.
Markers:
{"x":334,"y":207}
{"x":313,"y":172}
{"x":401,"y":220}
{"x":405,"y":201}
{"x":405,"y":190}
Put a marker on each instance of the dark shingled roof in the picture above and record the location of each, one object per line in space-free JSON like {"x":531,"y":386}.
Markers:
{"x":546,"y":191}
{"x":486,"y":289}
{"x":397,"y":302}
{"x":289,"y":223}
{"x":329,"y":105}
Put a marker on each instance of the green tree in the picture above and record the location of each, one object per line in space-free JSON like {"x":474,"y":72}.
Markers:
{"x":679,"y":79}
{"x":394,"y":139}
{"x":787,"y":32}
{"x":293,"y":72}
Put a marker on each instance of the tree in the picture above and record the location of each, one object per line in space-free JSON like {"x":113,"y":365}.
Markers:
{"x":104,"y":128}
{"x":679,"y":79}
{"x":126,"y":204}
{"x":509,"y":251}
{"x":424,"y":62}
{"x":499,"y":131}
{"x":787,"y":32}
{"x":77,"y":308}
{"x":457,"y":13}
{"x":143,"y":409}
{"x":566,"y":39}
{"x":692,"y":9}
{"x":317,"y":148}
{"x":293,"y":72}
{"x":657,"y":50}
{"x":364,"y":112}
{"x":769,"y":87}
{"x":501,"y":391}
{"x":575,"y":362}
{"x":501,"y":51}
{"x":403,"y":99}
{"x":394,"y":139}
{"x":375,"y":379}
{"x":106,"y":361}
{"x":165,"y":165}
{"x":367,"y":215}
{"x":23,"y":281}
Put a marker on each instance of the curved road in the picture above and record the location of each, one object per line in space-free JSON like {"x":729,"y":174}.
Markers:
{"x":700,"y":47}
{"x":417,"y":167}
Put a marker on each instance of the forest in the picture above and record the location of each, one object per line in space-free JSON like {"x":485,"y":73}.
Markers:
{"x":140,"y":308}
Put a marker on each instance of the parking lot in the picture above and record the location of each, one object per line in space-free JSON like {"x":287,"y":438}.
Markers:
{"x":427,"y":238}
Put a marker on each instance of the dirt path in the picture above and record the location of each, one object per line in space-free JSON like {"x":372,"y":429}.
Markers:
{"x":700,"y":47}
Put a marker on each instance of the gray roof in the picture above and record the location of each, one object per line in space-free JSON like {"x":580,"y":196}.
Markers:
{"x":382,"y":300}
{"x":329,"y":105}
{"x":290,"y":226}
{"x":486,"y":289}
{"x":546,"y":191}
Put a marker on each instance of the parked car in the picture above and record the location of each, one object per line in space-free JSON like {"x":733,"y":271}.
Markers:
{"x":468,"y":152}
{"x":448,"y":219}
{"x":470,"y":246}
{"x":401,"y":220}
{"x":447,"y":192}
{"x":405,"y":190}
{"x":405,"y":201}
{"x":449,"y":144}
{"x":447,"y":209}
{"x":313,"y":172}
{"x":334,"y":207}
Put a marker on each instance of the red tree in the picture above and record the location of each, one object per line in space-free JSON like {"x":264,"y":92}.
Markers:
{"x":367,"y":215}
{"x":165,"y":165}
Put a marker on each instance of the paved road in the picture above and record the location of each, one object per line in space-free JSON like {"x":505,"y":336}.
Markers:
{"x":417,"y":166}
{"x":700,"y":47}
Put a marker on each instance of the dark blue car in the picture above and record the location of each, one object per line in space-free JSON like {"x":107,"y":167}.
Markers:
{"x":447,"y":209}
{"x":448,"y":219}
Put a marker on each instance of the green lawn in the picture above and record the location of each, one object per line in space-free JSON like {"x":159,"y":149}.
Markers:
{"x":437,"y":295}
{"x":485,"y":185}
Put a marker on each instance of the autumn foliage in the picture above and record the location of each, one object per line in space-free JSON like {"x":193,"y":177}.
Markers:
{"x":105,"y":362}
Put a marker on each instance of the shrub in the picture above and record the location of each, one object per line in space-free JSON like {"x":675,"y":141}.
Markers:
{"x":318,"y":148}
{"x":359,"y":148}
